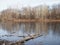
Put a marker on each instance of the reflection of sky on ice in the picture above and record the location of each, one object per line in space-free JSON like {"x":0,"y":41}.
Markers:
{"x":4,"y":35}
{"x":2,"y":32}
{"x":21,"y":3}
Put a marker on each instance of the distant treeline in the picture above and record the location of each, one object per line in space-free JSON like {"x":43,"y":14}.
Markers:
{"x":38,"y":12}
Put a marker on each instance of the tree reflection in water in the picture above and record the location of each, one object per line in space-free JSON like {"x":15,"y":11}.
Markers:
{"x":24,"y":28}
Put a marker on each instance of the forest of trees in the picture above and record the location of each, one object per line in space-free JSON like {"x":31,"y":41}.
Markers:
{"x":38,"y":12}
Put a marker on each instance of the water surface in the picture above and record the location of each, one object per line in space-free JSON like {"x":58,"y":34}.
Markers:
{"x":15,"y":31}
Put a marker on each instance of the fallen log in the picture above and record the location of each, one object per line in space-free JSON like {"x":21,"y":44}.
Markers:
{"x":28,"y":38}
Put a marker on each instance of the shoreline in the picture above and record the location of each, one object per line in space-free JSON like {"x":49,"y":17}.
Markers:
{"x":31,"y":20}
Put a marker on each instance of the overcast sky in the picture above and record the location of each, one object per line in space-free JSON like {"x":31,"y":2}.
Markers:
{"x":20,"y":3}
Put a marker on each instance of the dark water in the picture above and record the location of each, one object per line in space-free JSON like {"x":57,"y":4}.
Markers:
{"x":12,"y":32}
